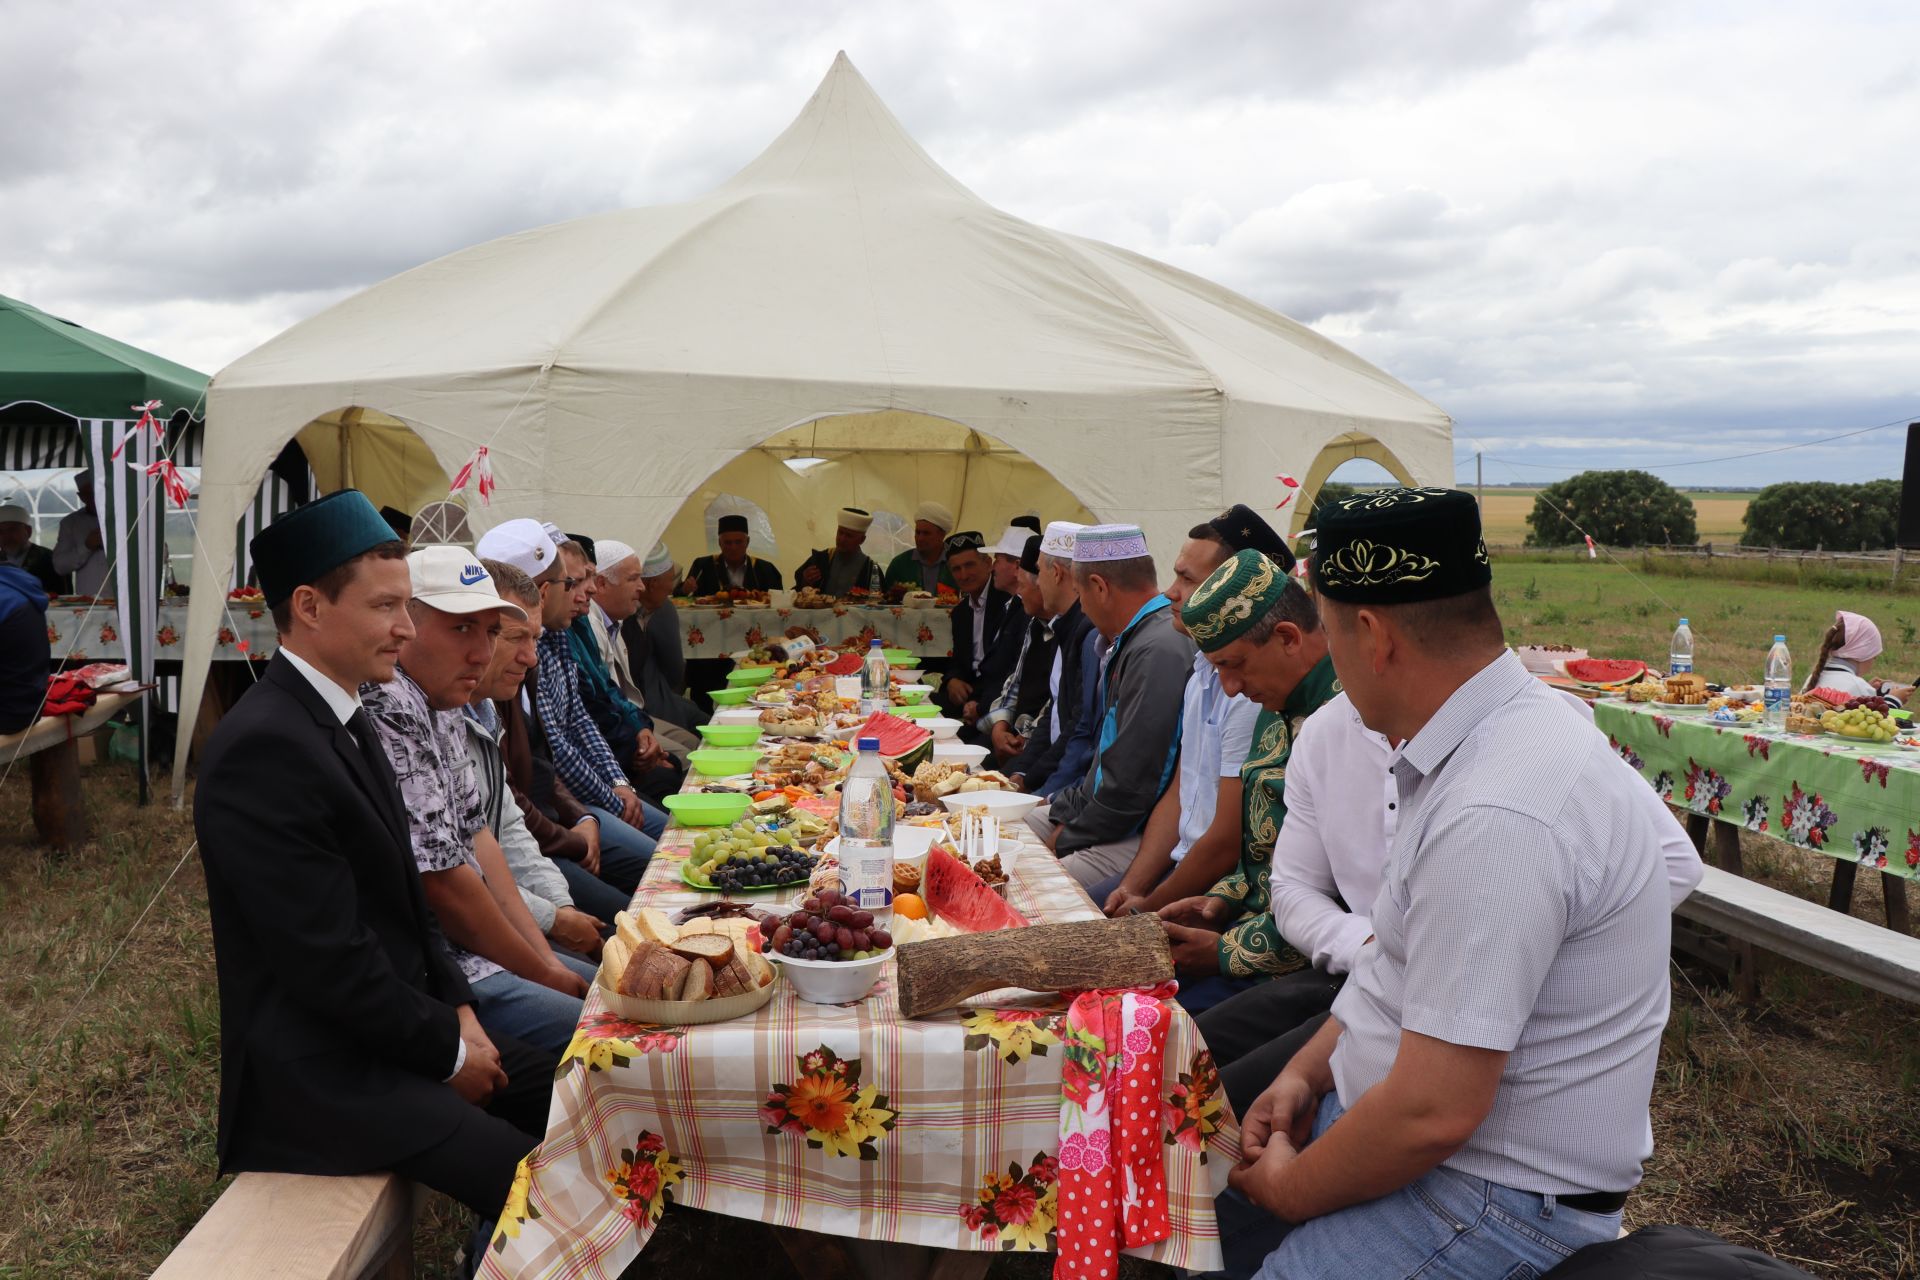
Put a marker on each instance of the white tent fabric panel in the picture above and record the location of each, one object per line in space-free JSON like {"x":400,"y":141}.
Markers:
{"x":615,"y":365}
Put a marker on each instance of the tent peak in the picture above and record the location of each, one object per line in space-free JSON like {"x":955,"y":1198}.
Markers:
{"x":846,"y":136}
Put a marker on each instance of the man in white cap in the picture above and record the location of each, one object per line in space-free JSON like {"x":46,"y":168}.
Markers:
{"x":924,"y":567}
{"x":626,"y":583}
{"x":18,"y":548}
{"x":1094,"y":825}
{"x":846,"y":568}
{"x":79,"y":550}
{"x":520,"y":986}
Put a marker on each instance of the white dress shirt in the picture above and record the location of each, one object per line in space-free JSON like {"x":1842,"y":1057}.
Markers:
{"x":1342,"y":812}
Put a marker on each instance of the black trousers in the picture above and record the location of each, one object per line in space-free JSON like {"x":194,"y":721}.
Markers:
{"x":475,"y":1164}
{"x":1253,"y":1035}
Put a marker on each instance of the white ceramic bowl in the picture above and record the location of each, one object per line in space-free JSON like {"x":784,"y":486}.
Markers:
{"x":944,"y":729}
{"x":1008,"y":806}
{"x":831,"y":981}
{"x":954,"y":751}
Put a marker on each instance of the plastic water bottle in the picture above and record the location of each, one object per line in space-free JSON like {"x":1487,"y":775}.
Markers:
{"x":876,"y":686}
{"x":866,"y":834}
{"x":1779,"y":683}
{"x":1680,"y":654}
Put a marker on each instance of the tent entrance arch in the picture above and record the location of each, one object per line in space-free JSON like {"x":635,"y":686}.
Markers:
{"x":384,"y":457}
{"x":885,"y":462}
{"x":1335,"y":453}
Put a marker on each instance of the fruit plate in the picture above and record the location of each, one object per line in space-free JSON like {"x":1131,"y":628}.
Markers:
{"x":689,"y":1012}
{"x":704,"y":885}
{"x":1680,"y":708}
{"x":1863,"y":742}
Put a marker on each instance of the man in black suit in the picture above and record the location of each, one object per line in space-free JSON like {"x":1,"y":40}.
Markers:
{"x":981,"y":655}
{"x":733,"y":569}
{"x":348,"y":1038}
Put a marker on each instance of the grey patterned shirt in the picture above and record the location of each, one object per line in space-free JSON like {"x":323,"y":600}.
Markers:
{"x":1524,"y":907}
{"x":428,"y":751}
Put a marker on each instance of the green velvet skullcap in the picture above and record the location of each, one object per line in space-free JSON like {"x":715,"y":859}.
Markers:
{"x":300,"y":546}
{"x":1399,"y":546}
{"x":1234,"y":597}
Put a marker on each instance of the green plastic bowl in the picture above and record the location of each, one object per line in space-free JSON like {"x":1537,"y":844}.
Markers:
{"x":749,"y":676}
{"x":730,"y":735}
{"x":706,"y":809}
{"x":896,"y":657}
{"x":918,"y":711}
{"x":915,"y":692}
{"x":724,"y":762}
{"x":730,"y":697}
{"x":907,"y":663}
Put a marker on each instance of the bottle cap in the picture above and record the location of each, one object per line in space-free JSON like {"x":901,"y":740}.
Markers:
{"x":875,"y":644}
{"x":1779,"y":639}
{"x":1683,"y":622}
{"x":869,"y":744}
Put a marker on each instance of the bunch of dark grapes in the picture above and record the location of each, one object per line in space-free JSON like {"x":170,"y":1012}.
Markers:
{"x":825,"y":927}
{"x":773,"y":866}
{"x":1869,"y":704}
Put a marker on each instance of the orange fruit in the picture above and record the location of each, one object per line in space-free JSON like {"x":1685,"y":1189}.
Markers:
{"x":910,"y":906}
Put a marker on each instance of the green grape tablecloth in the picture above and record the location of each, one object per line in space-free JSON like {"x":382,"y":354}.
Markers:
{"x":1852,"y":800}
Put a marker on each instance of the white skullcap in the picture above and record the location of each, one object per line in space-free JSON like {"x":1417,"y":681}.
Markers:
{"x":521,"y":543}
{"x":658,"y":561}
{"x":15,"y":515}
{"x":936,"y":515}
{"x":1101,"y":542}
{"x":855,"y":519}
{"x":608,"y":553}
{"x":1059,"y":539}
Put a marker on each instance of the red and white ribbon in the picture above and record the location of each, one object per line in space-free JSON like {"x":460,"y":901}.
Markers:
{"x":1291,"y":485}
{"x":1591,"y":553}
{"x":172,"y":483}
{"x":477,"y":462}
{"x":147,"y":420}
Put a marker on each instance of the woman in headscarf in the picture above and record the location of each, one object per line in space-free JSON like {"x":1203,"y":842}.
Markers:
{"x":1847,"y":654}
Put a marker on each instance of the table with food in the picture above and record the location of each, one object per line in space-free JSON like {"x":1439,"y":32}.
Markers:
{"x":748,"y":1047}
{"x":719,"y":625}
{"x":1839,"y":775}
{"x":81,"y":629}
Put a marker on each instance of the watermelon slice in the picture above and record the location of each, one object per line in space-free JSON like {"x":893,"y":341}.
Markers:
{"x":955,"y":894}
{"x":847,"y":664}
{"x":1605,"y":670}
{"x":901,"y":740}
{"x":1832,"y":697}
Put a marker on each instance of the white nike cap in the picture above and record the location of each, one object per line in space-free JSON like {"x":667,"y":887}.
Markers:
{"x":451,"y":580}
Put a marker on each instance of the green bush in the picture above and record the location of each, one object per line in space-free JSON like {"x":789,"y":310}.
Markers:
{"x":1618,"y":508}
{"x":1805,"y":514}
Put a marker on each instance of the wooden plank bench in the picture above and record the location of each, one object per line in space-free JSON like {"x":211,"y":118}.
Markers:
{"x":300,"y":1227}
{"x":52,"y":746}
{"x":1765,"y":917}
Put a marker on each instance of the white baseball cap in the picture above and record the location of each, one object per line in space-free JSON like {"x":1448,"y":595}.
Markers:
{"x":451,"y":580}
{"x":521,"y":543}
{"x":1012,"y":543}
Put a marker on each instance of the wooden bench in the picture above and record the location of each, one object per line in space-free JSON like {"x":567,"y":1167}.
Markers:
{"x":1839,"y":944}
{"x":52,"y":745}
{"x":299,"y":1227}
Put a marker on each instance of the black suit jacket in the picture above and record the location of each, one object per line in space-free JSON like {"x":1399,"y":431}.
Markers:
{"x":978,"y":669}
{"x":337,"y":995}
{"x":709,"y":578}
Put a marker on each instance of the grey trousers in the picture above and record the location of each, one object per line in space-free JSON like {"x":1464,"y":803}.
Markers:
{"x":1093,"y":864}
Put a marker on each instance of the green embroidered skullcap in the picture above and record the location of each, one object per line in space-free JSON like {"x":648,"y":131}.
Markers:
{"x":1233,"y":598}
{"x":1398,"y":546}
{"x":300,"y":546}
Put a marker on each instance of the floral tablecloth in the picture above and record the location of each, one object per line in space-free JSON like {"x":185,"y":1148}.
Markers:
{"x":1846,"y":799}
{"x":91,"y":633}
{"x":848,"y":1120}
{"x":710,"y":632}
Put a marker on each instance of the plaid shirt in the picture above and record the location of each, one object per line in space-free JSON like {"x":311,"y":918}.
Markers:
{"x":581,"y":755}
{"x":428,"y":751}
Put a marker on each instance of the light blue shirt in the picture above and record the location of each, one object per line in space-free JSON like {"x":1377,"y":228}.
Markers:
{"x":1215,"y":735}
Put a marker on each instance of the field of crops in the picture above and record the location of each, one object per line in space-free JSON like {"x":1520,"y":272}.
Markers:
{"x":1718,"y":516}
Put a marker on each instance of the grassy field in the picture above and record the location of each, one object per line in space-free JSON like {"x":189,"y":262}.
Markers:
{"x":1792,"y":1125}
{"x":1624,"y":610}
{"x":1717,"y":516}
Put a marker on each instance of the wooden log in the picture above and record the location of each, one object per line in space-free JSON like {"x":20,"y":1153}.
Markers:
{"x":59,"y":813}
{"x":1082,"y":955}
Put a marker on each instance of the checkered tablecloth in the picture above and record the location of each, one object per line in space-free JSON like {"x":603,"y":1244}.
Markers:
{"x":848,"y":1120}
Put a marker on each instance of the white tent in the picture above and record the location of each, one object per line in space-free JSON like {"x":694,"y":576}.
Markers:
{"x":841,"y":297}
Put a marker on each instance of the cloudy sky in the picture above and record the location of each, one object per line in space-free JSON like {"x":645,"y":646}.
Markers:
{"x":1597,"y":234}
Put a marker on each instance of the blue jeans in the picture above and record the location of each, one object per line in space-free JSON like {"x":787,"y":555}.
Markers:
{"x":1446,"y":1225}
{"x":592,"y":894}
{"x":1203,"y":993}
{"x":624,"y":852}
{"x":510,"y":1004}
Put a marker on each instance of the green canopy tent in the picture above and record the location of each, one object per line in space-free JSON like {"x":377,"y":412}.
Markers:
{"x":70,"y":397}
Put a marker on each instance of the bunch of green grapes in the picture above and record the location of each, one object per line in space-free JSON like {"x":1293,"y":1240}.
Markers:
{"x":1860,"y":722}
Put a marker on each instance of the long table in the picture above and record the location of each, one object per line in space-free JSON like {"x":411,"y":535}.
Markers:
{"x":1856,"y":802}
{"x":81,"y":632}
{"x":708,"y":631}
{"x":941,"y":1131}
